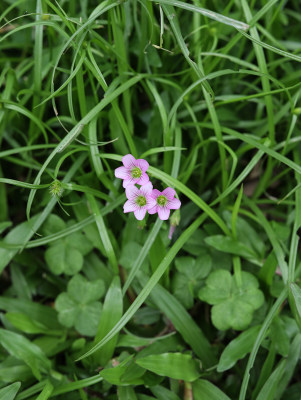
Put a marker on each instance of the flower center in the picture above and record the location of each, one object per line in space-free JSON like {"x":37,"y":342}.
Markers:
{"x":141,"y":201}
{"x":161,"y":201}
{"x":136,"y":172}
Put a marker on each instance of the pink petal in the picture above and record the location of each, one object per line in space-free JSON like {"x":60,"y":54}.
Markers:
{"x":129,"y":206}
{"x":140,"y":213}
{"x":163,"y":213}
{"x":169,"y":193}
{"x":142,"y":164}
{"x":174,"y":204}
{"x":132,"y":192}
{"x":143,"y":179}
{"x":155,"y":193}
{"x":129,"y":161}
{"x":150,"y":202}
{"x":147,"y":189}
{"x":129,"y":182}
{"x":122,"y":173}
{"x":153,"y":210}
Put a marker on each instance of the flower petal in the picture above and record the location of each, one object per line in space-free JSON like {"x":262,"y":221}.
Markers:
{"x":122,"y":173}
{"x":129,"y":182}
{"x":142,"y":164}
{"x":132,"y":192}
{"x":155,"y":193}
{"x":140,"y":213}
{"x":150,"y":202}
{"x":169,"y":193}
{"x":129,"y":161}
{"x":147,"y":189}
{"x":129,"y":206}
{"x":174,"y":204}
{"x":143,"y":180}
{"x":153,"y":210}
{"x":163,"y":213}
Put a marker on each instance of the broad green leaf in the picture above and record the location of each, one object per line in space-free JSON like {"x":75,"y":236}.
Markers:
{"x":83,"y":291}
{"x":26,"y":324}
{"x":247,"y":234}
{"x":188,"y":281}
{"x":126,"y":393}
{"x":200,"y":348}
{"x":111,"y":313}
{"x":63,"y":258}
{"x":114,"y":375}
{"x":21,"y":348}
{"x":233,"y":306}
{"x":182,"y":321}
{"x":237,"y":349}
{"x":9,"y":392}
{"x":162,"y":393}
{"x":53,"y":224}
{"x":4,"y":225}
{"x":196,"y":245}
{"x":12,"y":373}
{"x":280,"y":337}
{"x":173,"y":365}
{"x":79,"y":307}
{"x":129,"y":253}
{"x":205,"y":390}
{"x":229,"y":245}
{"x":16,"y":235}
{"x":42,"y":314}
{"x":79,"y":241}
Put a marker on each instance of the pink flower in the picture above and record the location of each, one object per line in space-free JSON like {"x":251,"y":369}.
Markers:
{"x":133,"y":171}
{"x":139,"y":200}
{"x":165,"y":201}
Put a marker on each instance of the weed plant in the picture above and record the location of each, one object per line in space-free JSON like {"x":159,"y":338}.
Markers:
{"x":98,"y":305}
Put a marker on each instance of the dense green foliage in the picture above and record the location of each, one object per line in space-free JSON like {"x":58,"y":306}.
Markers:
{"x":97,"y":305}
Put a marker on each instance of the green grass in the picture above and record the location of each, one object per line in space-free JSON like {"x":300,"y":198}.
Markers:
{"x":97,"y":305}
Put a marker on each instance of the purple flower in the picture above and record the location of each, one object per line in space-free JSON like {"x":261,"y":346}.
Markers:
{"x":139,"y":200}
{"x":133,"y":171}
{"x":165,"y":201}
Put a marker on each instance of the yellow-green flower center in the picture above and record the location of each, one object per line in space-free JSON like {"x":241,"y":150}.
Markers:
{"x":141,"y":201}
{"x":161,"y":201}
{"x":136,"y":172}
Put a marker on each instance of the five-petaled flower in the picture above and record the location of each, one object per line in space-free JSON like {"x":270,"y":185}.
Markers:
{"x":144,"y":199}
{"x":165,"y":201}
{"x":133,"y":171}
{"x":139,"y":200}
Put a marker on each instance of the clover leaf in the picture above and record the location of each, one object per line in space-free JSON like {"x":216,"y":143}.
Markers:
{"x":79,"y":307}
{"x":66,"y":254}
{"x":188,"y":280}
{"x":233,"y":306}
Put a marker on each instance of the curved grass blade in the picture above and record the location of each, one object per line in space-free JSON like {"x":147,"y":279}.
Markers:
{"x":282,"y":53}
{"x":149,"y":286}
{"x":143,"y":253}
{"x":110,"y":315}
{"x":262,"y":333}
{"x":104,"y":234}
{"x":207,"y":13}
{"x":183,"y":323}
{"x":9,"y":392}
{"x":46,"y":392}
{"x":77,"y":129}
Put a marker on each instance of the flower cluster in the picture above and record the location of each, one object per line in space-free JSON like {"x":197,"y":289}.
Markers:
{"x":145,"y":199}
